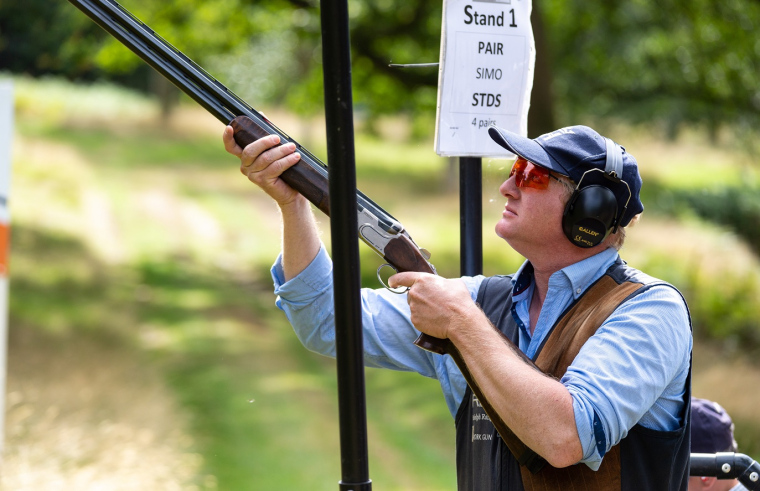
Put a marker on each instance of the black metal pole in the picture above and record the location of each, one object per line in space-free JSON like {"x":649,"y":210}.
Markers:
{"x":471,"y":216}
{"x":727,"y":465}
{"x":336,"y":57}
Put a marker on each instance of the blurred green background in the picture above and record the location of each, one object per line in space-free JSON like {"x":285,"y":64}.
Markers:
{"x":145,"y":351}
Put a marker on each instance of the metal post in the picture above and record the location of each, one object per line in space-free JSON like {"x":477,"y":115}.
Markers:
{"x":471,"y":216}
{"x":336,"y":56}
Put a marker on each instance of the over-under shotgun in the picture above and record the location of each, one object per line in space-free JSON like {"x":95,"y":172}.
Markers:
{"x":377,"y":228}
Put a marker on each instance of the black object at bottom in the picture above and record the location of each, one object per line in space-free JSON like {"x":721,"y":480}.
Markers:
{"x":364,"y":486}
{"x":727,"y":465}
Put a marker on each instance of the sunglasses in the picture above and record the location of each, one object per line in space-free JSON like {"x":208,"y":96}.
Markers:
{"x":529,"y":175}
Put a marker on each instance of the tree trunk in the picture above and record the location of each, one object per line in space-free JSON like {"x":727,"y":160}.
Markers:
{"x":166,"y":92}
{"x":541,"y":114}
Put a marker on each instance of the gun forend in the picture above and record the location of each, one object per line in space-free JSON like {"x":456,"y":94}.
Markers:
{"x":302,"y":177}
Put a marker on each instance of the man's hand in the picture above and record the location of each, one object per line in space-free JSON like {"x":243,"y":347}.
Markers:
{"x":263,"y":161}
{"x":439,"y":306}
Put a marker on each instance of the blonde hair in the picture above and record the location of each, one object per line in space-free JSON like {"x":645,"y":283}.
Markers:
{"x":617,"y":239}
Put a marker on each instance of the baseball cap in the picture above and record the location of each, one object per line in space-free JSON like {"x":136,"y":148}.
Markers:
{"x":572,"y":151}
{"x":711,"y":427}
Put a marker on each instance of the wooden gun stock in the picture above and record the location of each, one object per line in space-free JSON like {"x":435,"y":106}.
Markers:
{"x":302,"y":177}
{"x":404,"y":255}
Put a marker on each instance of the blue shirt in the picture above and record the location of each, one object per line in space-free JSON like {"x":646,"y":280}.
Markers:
{"x":633,"y":370}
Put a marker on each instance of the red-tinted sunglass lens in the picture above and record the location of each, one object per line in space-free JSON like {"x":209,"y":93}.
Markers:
{"x":528,"y":175}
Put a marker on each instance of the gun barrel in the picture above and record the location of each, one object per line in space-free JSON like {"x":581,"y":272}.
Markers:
{"x":309,"y":176}
{"x":194,"y":81}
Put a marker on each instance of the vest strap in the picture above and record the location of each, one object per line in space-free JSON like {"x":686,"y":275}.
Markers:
{"x":560,"y":349}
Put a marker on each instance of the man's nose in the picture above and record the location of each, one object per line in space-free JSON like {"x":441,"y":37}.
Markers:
{"x":509,"y":188}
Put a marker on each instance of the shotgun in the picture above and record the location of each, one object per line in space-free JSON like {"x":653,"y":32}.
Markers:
{"x":377,"y":228}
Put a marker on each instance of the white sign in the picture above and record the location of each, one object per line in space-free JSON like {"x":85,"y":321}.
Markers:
{"x":485,"y":75}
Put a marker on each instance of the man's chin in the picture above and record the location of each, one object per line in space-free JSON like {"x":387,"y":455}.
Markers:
{"x":502,"y":230}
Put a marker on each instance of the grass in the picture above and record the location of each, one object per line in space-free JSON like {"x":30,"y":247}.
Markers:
{"x":169,"y":262}
{"x":85,"y":407}
{"x":140,"y":287}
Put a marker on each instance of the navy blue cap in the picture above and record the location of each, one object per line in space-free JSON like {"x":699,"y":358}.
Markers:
{"x":711,"y":427}
{"x":572,"y":151}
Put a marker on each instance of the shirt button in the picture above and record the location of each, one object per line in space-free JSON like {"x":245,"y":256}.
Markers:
{"x":578,"y":291}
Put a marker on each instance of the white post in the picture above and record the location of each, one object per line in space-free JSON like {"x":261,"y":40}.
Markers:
{"x":6,"y":137}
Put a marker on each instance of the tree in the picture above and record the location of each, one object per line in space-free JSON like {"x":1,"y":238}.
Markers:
{"x":675,"y":62}
{"x":41,"y":37}
{"x":198,"y":27}
{"x":672,"y":62}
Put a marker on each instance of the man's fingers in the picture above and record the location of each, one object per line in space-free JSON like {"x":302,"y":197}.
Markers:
{"x":229,"y":142}
{"x":256,"y":147}
{"x":272,"y":162}
{"x":403,"y":279}
{"x":273,"y":170}
{"x":270,"y":174}
{"x":263,"y":153}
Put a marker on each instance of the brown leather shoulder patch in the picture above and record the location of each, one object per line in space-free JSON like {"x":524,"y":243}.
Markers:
{"x":563,"y":345}
{"x":580,"y":323}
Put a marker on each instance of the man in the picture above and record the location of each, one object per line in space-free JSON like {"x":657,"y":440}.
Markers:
{"x":612,"y":345}
{"x":712,"y":431}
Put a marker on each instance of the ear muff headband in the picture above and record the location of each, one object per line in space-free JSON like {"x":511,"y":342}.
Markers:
{"x":613,"y":167}
{"x":614,"y":164}
{"x":592,"y":211}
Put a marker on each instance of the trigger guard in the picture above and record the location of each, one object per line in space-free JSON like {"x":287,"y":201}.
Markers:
{"x":398,"y":291}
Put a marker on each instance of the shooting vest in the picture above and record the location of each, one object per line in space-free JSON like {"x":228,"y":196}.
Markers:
{"x":645,"y":459}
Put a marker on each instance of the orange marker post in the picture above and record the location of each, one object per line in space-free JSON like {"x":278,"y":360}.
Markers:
{"x":6,"y":138}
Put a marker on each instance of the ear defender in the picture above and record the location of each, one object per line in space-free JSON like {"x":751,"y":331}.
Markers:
{"x":592,"y":211}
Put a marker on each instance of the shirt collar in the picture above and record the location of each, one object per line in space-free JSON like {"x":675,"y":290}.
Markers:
{"x":579,"y":276}
{"x":522,"y":279}
{"x":583,"y":273}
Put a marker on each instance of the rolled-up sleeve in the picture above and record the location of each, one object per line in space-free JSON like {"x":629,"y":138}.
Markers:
{"x":632,"y":370}
{"x":388,"y":333}
{"x":307,"y":300}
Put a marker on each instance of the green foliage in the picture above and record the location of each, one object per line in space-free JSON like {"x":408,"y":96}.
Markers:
{"x":723,"y":306}
{"x":197,"y":27}
{"x":286,"y":47}
{"x":674,"y":63}
{"x":49,"y":102}
{"x":39,"y":37}
{"x":670,"y":64}
{"x":395,"y":31}
{"x":737,"y":208}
